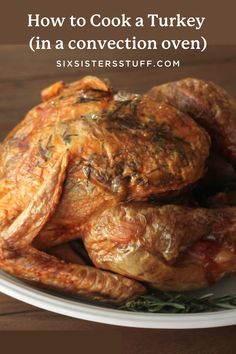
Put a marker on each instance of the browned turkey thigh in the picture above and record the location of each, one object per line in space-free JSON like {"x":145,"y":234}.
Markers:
{"x":171,"y":247}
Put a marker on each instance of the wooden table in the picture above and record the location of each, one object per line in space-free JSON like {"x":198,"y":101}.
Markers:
{"x":22,"y":76}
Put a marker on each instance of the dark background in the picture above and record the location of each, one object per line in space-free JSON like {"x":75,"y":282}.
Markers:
{"x":219,"y":26}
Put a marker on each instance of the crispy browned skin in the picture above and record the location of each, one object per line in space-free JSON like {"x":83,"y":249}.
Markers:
{"x":209,"y":105}
{"x":122,"y":147}
{"x":171,"y":247}
{"x":18,"y":257}
{"x":78,"y":157}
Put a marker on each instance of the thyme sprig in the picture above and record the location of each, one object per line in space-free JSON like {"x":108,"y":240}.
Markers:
{"x":178,"y":303}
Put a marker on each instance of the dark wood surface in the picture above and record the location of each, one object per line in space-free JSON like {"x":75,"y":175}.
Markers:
{"x":22,"y":76}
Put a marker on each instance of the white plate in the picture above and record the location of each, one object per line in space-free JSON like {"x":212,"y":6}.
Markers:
{"x":75,"y":308}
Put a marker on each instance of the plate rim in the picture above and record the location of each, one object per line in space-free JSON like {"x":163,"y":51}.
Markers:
{"x":13,"y":287}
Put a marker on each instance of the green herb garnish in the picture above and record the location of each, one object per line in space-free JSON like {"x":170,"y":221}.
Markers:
{"x":176,"y":303}
{"x":67,"y":137}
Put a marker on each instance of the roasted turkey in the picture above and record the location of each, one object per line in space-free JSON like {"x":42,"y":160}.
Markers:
{"x":119,"y":171}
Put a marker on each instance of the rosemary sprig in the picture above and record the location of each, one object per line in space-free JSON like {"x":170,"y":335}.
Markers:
{"x":178,"y":303}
